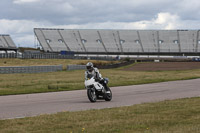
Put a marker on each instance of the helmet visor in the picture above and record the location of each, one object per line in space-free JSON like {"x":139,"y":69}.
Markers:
{"x":89,"y":68}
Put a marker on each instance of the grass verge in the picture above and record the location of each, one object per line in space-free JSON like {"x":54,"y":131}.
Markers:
{"x":39,"y":62}
{"x":74,"y":80}
{"x":176,"y":116}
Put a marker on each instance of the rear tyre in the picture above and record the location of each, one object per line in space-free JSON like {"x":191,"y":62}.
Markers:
{"x":108,"y":96}
{"x":91,"y":96}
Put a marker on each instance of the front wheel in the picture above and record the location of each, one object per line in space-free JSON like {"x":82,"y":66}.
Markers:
{"x":91,"y":95}
{"x":108,"y":96}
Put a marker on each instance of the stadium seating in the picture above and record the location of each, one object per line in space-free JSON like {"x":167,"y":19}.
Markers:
{"x":130,"y":41}
{"x":148,"y":40}
{"x":72,"y":39}
{"x":54,"y":40}
{"x":118,"y":41}
{"x":198,"y":41}
{"x":170,"y":41}
{"x":92,"y":41}
{"x":6,"y":42}
{"x":43,"y":42}
{"x":110,"y":40}
{"x":187,"y":40}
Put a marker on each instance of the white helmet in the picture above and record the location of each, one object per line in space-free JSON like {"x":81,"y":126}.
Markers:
{"x":89,"y":66}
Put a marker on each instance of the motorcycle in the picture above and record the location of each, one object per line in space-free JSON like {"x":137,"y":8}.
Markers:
{"x":96,"y":91}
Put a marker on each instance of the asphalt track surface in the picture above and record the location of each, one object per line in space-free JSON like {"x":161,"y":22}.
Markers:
{"x":18,"y":106}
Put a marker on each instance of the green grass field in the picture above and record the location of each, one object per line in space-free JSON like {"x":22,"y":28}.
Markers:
{"x":74,"y":80}
{"x":176,"y":116}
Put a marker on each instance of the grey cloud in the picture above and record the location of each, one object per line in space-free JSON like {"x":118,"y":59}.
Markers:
{"x":87,"y":11}
{"x":94,"y":14}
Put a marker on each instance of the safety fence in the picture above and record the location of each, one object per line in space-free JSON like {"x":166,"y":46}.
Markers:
{"x":76,"y":67}
{"x":8,"y":55}
{"x":30,"y":69}
{"x":45,"y":56}
{"x":52,"y":56}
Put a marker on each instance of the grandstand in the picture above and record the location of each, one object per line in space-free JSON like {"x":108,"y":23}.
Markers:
{"x":6,"y":43}
{"x":123,"y":42}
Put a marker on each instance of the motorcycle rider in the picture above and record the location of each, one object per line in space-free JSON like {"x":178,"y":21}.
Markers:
{"x":92,"y":71}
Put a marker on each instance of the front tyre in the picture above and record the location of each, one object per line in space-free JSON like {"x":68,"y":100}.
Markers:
{"x":108,"y":96}
{"x":91,"y":95}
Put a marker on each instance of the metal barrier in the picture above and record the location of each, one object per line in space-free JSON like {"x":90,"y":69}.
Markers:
{"x":52,"y":56}
{"x":30,"y":69}
{"x":46,"y":56}
{"x":76,"y":67}
{"x":8,"y":55}
{"x":58,"y":56}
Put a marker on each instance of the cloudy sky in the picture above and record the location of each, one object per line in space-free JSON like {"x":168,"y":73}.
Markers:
{"x":19,"y":17}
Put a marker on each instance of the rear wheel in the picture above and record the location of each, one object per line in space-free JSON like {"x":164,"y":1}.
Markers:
{"x":91,"y":95}
{"x":108,"y":96}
